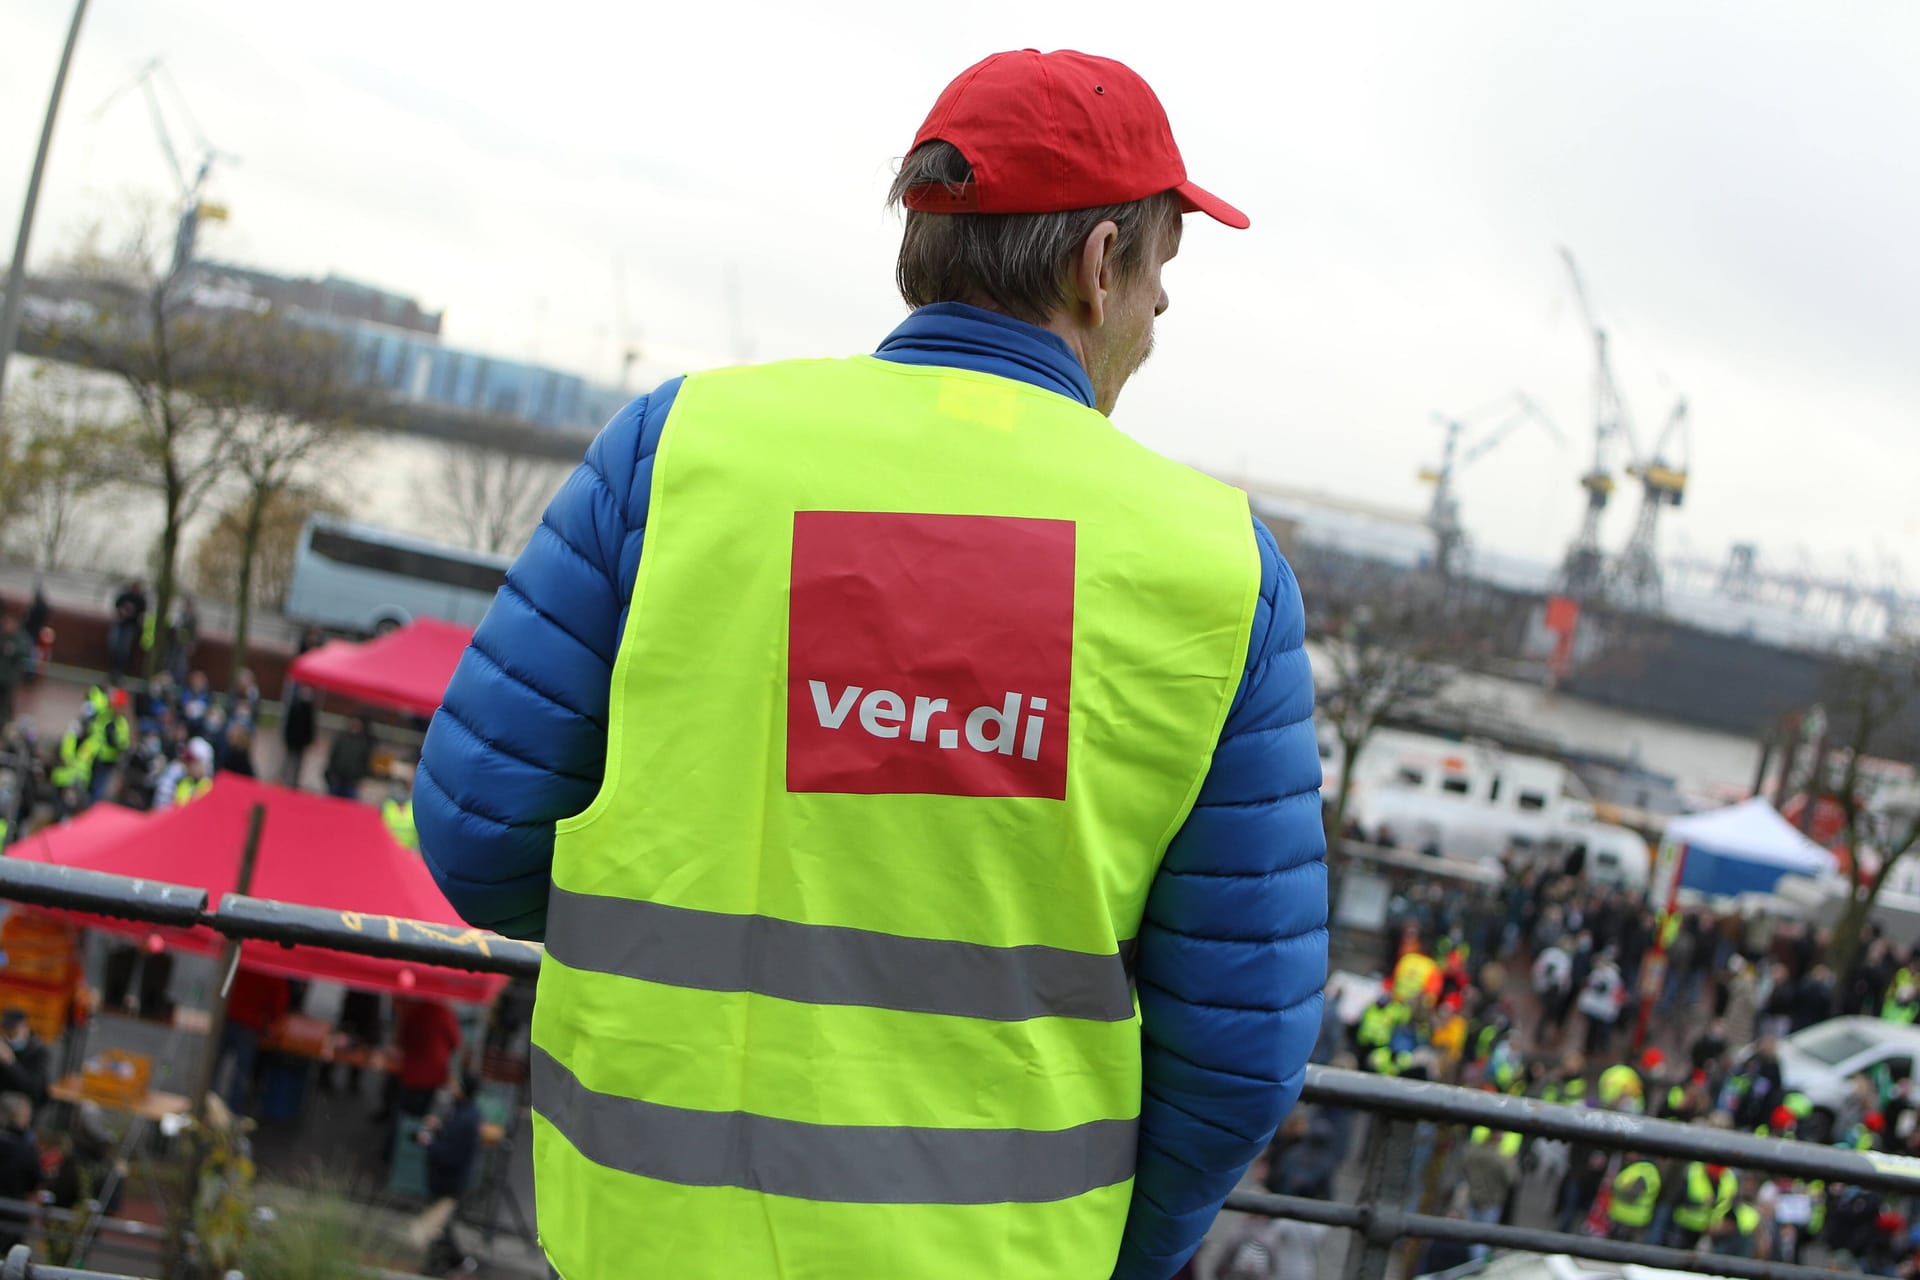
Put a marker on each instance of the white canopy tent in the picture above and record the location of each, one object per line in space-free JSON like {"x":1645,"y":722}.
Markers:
{"x":1744,"y":848}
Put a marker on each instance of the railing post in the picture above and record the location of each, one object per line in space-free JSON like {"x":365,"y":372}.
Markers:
{"x":1383,"y":1198}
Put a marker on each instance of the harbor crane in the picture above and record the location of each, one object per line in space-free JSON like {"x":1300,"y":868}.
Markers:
{"x":1662,"y":473}
{"x":194,"y":207}
{"x":1583,"y":572}
{"x":1450,"y":545}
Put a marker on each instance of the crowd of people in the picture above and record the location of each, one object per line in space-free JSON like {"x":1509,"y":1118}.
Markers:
{"x":1546,"y":986}
{"x":157,"y":743}
{"x":154,"y":744}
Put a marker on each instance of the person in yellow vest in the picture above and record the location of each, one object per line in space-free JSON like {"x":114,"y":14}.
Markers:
{"x":186,"y":779}
{"x":72,"y":771}
{"x":1631,"y":1201}
{"x":397,"y":809}
{"x":860,"y":735}
{"x":1490,"y":1166}
{"x":1377,"y":1025}
{"x":1745,"y":1231}
{"x":1620,"y":1089}
{"x":1416,"y":976}
{"x":1706,"y":1198}
{"x":112,"y":733}
{"x":1902,"y":1003}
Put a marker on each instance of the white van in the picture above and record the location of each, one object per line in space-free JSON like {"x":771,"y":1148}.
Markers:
{"x":1476,"y":801}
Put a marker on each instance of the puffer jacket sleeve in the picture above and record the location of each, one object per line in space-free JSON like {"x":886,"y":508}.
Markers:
{"x":1233,"y":949}
{"x":520,"y":738}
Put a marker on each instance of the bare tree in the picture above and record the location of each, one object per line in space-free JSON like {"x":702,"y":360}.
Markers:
{"x":178,"y":362}
{"x":58,"y":452}
{"x":218,"y":556}
{"x":299,"y":408}
{"x":1872,"y":701}
{"x":492,"y":498}
{"x":1391,"y":644}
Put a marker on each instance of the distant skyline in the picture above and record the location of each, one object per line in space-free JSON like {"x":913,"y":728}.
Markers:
{"x":1740,"y":185}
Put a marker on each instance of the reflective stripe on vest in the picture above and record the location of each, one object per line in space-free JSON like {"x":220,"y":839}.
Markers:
{"x":922,"y":671}
{"x":716,"y":951}
{"x":863,"y":1164}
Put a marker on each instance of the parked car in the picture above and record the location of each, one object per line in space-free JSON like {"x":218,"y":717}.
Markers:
{"x":1554,"y":1266}
{"x":1824,"y":1060}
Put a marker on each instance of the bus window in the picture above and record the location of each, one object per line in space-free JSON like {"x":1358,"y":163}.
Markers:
{"x":356,"y":578}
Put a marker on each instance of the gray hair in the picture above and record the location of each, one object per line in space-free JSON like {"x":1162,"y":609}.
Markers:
{"x":1016,"y":263}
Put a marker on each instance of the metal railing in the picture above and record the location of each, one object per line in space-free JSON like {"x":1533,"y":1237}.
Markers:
{"x":21,"y":1266}
{"x":1376,"y":1216}
{"x":1379,"y":1221}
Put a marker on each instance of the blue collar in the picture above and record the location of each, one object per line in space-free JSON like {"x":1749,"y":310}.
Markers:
{"x":957,"y":336}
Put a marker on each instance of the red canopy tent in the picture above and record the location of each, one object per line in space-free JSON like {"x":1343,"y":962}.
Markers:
{"x":406,"y":668}
{"x":314,"y":851}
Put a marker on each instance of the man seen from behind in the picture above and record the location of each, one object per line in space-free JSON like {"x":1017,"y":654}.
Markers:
{"x":912,"y":777}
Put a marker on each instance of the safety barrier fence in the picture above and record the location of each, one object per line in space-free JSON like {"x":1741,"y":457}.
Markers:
{"x":21,"y":1266}
{"x":1398,"y":1107}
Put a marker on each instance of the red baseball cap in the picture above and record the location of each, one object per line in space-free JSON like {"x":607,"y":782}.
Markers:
{"x":1047,"y":132}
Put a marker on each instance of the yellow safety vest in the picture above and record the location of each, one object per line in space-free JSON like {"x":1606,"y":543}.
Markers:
{"x":1706,"y":1204}
{"x":922,"y":671}
{"x":1378,"y":1022}
{"x":75,"y":768}
{"x":399,"y":820}
{"x":1509,"y":1142}
{"x":1414,"y":976}
{"x":1636,"y":1189}
{"x":189,"y":789}
{"x":113,"y":735}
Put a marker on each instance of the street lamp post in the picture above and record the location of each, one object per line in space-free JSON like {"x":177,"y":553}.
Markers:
{"x":17,"y":274}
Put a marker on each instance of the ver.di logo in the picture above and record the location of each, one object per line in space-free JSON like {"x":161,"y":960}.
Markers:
{"x":929,"y":654}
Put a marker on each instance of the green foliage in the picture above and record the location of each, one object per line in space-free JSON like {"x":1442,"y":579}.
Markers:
{"x":223,"y":1211}
{"x":217,"y":556}
{"x":59,"y":449}
{"x":324,"y":1236}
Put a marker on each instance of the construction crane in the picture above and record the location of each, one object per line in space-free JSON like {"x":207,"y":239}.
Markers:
{"x":1583,"y":572}
{"x":628,"y":336}
{"x":194,"y":207}
{"x":1662,"y":474}
{"x":1450,"y":549}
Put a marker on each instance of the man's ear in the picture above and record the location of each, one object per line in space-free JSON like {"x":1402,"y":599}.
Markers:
{"x":1094,"y":275}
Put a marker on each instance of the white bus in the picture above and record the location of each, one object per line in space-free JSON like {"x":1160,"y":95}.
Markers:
{"x":356,"y":578}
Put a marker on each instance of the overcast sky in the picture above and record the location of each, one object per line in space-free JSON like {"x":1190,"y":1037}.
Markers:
{"x":1741,"y":182}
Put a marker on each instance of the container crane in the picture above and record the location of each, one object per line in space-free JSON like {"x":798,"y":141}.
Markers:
{"x":628,"y":336}
{"x":1583,"y":572}
{"x":1662,"y":474}
{"x":1443,"y":514}
{"x":194,"y":207}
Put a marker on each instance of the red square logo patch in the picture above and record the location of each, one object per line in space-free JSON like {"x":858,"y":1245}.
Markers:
{"x":929,"y":655}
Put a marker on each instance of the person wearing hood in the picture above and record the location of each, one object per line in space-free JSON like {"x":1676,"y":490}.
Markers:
{"x":186,"y":779}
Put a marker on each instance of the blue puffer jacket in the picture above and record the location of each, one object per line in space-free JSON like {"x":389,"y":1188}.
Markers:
{"x":1233,"y":951}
